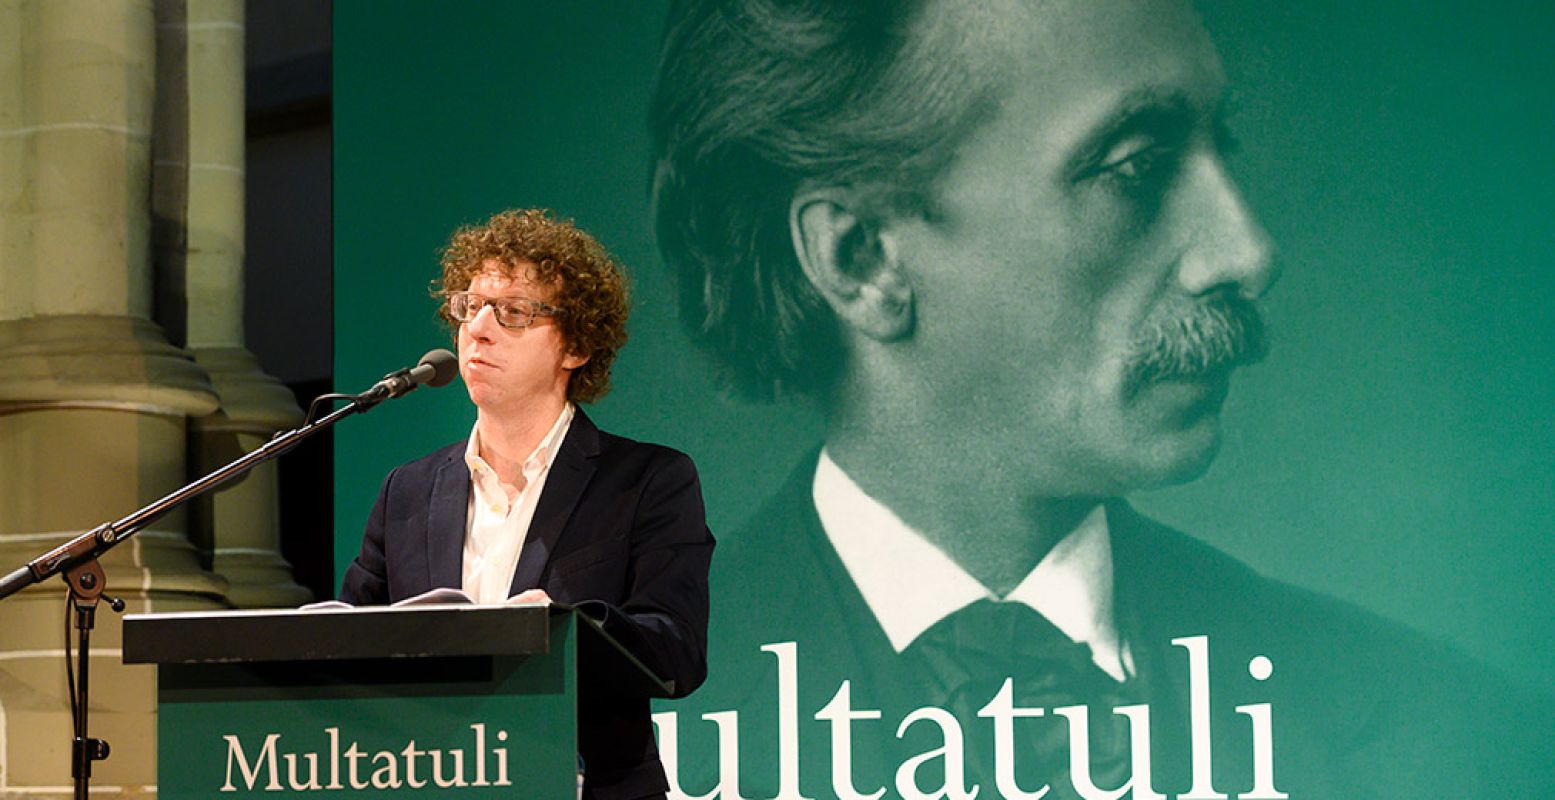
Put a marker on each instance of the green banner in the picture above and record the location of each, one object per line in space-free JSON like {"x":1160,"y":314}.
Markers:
{"x":1000,"y":261}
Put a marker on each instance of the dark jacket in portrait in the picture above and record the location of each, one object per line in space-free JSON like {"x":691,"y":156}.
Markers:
{"x":619,"y":531}
{"x":1360,"y":707}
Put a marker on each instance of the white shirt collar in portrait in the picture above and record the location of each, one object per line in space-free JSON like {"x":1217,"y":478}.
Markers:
{"x":495,"y":528}
{"x":918,"y":585}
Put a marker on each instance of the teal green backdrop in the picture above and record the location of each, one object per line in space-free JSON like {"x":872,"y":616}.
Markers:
{"x":1397,"y":448}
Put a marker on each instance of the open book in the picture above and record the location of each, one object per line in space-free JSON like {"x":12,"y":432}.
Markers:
{"x":440,"y":595}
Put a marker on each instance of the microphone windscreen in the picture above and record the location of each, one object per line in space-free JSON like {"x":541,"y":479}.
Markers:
{"x":445,"y":366}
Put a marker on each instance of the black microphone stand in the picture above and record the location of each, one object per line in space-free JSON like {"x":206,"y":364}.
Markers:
{"x":77,"y":559}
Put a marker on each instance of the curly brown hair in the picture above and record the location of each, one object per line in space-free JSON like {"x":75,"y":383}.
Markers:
{"x":591,"y":288}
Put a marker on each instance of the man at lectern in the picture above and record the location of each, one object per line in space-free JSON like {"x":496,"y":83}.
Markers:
{"x":538,"y":503}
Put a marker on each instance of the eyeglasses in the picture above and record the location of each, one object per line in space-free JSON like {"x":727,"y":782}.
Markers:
{"x":511,"y":312}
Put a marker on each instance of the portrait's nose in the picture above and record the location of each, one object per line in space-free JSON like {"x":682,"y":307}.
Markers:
{"x":1228,"y":249}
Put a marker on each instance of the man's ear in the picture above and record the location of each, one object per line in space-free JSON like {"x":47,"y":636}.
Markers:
{"x":852,"y":266}
{"x":573,"y":361}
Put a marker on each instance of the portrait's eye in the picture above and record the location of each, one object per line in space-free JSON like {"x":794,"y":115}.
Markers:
{"x":1138,"y":161}
{"x":1132,"y":165}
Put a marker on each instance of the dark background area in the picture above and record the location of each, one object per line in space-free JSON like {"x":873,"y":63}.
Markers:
{"x":288,"y":275}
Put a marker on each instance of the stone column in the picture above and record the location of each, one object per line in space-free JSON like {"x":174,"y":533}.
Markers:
{"x":94,"y":401}
{"x":199,"y":209}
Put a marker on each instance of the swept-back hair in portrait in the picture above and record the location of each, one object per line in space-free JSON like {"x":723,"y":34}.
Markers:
{"x":756,"y":99}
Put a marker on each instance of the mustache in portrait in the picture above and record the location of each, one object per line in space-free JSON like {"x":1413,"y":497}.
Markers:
{"x":1192,"y":339}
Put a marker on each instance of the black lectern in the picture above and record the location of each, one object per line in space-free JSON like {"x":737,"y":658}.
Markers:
{"x":414,"y":700}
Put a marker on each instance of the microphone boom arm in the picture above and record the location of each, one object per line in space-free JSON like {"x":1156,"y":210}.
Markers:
{"x":77,"y":559}
{"x":436,"y":368}
{"x":99,"y":540}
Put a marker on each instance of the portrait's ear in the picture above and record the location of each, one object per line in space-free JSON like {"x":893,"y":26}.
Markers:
{"x":573,"y":361}
{"x":848,"y":262}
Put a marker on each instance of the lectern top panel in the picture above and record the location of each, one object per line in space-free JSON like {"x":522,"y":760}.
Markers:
{"x":336,"y":633}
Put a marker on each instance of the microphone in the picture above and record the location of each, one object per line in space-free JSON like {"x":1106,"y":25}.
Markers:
{"x":436,"y":368}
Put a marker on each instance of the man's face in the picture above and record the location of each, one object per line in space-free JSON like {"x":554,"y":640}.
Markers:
{"x":509,"y":370}
{"x":1083,"y":286}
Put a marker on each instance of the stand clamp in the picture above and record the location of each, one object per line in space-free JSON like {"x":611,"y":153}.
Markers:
{"x":86,"y":581}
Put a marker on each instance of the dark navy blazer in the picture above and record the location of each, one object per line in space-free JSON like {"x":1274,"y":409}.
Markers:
{"x":619,"y":530}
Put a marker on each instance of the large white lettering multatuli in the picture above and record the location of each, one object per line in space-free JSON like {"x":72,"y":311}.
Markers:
{"x":1002,"y":714}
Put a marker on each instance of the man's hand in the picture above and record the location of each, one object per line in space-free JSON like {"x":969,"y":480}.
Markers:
{"x":531,"y":596}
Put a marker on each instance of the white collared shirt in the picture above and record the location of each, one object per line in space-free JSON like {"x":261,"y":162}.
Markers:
{"x":917,"y":585}
{"x":494,"y":527}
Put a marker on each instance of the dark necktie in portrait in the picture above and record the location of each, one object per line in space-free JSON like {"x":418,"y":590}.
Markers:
{"x":991,"y":658}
